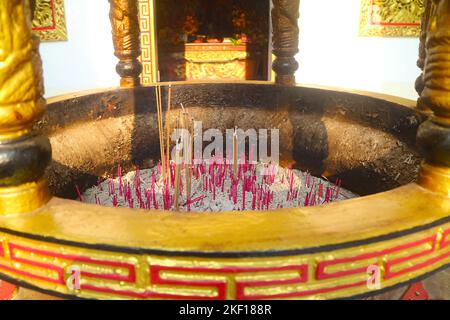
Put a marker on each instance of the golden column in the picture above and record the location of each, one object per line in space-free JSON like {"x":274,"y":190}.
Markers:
{"x":420,"y":85}
{"x":434,"y":134}
{"x":124,"y":16}
{"x":24,"y":155}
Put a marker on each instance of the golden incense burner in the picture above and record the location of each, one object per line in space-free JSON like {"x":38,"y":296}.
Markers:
{"x":401,"y":227}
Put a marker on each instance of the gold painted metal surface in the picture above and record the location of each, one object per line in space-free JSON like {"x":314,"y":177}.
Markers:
{"x":49,"y":21}
{"x":21,"y":101}
{"x":392,"y":211}
{"x":390,"y":18}
{"x":436,"y":178}
{"x":401,"y":209}
{"x":24,"y":198}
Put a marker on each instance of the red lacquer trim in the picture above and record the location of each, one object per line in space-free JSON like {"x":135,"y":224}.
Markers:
{"x":413,"y":267}
{"x":58,"y":270}
{"x":321,"y":274}
{"x":444,"y":241}
{"x":301,"y":277}
{"x":387,"y":24}
{"x":53,"y":26}
{"x":416,"y":291}
{"x":222,"y":286}
{"x":7,"y":290}
{"x":130,"y":277}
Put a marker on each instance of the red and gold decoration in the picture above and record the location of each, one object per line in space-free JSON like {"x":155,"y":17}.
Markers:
{"x":120,"y":268}
{"x":210,"y":40}
{"x":148,"y":47}
{"x":49,"y":21}
{"x":390,"y":18}
{"x":189,"y":55}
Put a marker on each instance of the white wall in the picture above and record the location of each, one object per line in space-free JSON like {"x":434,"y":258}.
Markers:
{"x":331,"y":53}
{"x":87,"y":60}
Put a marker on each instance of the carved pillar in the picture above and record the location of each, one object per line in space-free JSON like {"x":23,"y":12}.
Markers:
{"x":429,"y":7}
{"x":124,"y":18}
{"x":434,"y":134}
{"x":285,"y":14}
{"x":24,"y":155}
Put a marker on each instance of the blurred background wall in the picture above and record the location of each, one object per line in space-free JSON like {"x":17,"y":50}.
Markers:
{"x":331,"y":53}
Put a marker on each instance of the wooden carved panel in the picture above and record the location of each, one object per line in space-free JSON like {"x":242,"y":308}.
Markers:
{"x":390,"y":18}
{"x":49,"y":21}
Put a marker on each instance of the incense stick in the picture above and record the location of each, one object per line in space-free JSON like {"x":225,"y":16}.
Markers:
{"x":169,"y":103}
{"x":160,"y":130}
{"x":177,"y":175}
{"x":235,"y":165}
{"x":188,"y":168}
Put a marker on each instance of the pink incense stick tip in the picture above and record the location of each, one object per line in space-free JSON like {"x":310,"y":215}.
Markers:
{"x":80,"y":197}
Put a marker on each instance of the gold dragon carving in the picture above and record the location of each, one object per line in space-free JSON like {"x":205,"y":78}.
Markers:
{"x":391,"y":18}
{"x":49,"y":21}
{"x":434,"y":134}
{"x":21,"y":84}
{"x":126,"y":39}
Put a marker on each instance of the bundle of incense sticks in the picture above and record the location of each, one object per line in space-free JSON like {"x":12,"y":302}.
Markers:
{"x":257,"y":187}
{"x":188,"y":124}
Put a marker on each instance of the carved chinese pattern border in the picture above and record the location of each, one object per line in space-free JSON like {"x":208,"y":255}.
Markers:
{"x":148,"y":56}
{"x":331,"y":274}
{"x":49,"y":21}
